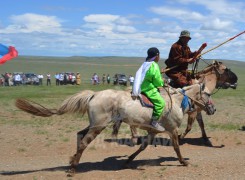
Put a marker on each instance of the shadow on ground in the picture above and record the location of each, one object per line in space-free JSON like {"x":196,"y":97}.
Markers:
{"x":115,"y":163}
{"x":162,"y":141}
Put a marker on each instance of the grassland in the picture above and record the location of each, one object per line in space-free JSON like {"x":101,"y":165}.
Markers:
{"x":38,"y":147}
{"x":109,"y":65}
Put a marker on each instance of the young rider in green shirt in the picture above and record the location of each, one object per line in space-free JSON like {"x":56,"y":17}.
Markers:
{"x":149,"y":82}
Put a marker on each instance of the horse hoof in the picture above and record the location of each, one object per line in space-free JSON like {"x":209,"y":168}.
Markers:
{"x":185,"y":163}
{"x":71,"y":172}
{"x":181,"y":136}
{"x":134,"y":141}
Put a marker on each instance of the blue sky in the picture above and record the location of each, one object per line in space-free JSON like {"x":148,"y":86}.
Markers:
{"x":121,"y":27}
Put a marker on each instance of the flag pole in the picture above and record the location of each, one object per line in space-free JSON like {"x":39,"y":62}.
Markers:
{"x":221,"y":44}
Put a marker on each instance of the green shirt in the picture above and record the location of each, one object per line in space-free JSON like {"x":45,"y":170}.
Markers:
{"x":153,"y":80}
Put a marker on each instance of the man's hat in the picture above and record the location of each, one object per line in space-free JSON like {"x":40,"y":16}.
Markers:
{"x":152,"y":52}
{"x":185,"y":33}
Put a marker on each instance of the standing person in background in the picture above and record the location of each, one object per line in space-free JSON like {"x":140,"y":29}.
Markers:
{"x":48,"y":79}
{"x":108,"y":78}
{"x":61,"y":78}
{"x":103,"y":79}
{"x":57,"y":79}
{"x":95,"y":79}
{"x":78,"y":78}
{"x":180,"y":56}
{"x":131,"y":80}
{"x":40,"y":77}
{"x":65,"y":78}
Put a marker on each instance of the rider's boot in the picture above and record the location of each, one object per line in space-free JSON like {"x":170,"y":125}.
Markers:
{"x":155,"y":125}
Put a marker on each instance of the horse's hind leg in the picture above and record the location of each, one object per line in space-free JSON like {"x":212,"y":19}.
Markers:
{"x":85,"y":137}
{"x":191,"y":119}
{"x":134,"y":134}
{"x":175,"y":141}
{"x":201,"y":125}
{"x":144,"y":144}
{"x":116,"y":127}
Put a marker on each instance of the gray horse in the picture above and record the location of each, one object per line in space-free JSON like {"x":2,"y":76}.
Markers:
{"x":109,"y":106}
{"x":214,"y":76}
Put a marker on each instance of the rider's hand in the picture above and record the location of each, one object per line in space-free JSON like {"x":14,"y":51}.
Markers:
{"x":162,"y":70}
{"x":191,"y":60}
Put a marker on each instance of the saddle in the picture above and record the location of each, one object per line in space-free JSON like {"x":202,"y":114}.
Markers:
{"x":145,"y":101}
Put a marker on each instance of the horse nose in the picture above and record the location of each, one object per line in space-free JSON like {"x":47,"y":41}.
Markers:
{"x":211,"y":109}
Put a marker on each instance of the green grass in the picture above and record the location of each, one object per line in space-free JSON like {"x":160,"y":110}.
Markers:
{"x":53,"y":96}
{"x":227,"y":126}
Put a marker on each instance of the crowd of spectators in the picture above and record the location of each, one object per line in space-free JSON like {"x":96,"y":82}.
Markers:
{"x":95,"y":79}
{"x":64,"y":78}
{"x":19,"y":78}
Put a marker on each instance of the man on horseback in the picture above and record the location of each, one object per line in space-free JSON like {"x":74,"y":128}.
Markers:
{"x":148,"y":81}
{"x":179,"y":57}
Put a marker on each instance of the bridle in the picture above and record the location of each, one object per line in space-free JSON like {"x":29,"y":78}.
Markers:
{"x":201,"y":102}
{"x":219,"y":75}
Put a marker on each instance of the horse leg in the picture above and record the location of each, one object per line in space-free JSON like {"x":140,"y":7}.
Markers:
{"x":147,"y":140}
{"x":191,"y":119}
{"x":175,"y":141}
{"x":116,"y":127}
{"x":201,"y":125}
{"x":84,"y":137}
{"x":134,"y":134}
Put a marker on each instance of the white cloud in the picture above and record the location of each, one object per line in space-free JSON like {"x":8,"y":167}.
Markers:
{"x":125,"y":29}
{"x":177,"y":13}
{"x":108,"y":24}
{"x":217,"y":24}
{"x":106,"y":19}
{"x":154,"y":21}
{"x":101,"y":18}
{"x":28,"y":23}
{"x":221,"y":8}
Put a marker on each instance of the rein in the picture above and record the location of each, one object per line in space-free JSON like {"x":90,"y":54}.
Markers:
{"x":214,"y":70}
{"x":199,"y":103}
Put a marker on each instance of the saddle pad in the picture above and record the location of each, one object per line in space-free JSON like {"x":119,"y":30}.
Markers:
{"x":145,"y":101}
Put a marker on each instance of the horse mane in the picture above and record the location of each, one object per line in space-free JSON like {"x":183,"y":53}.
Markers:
{"x":207,"y":69}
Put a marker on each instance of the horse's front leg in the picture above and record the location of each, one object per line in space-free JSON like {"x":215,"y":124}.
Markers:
{"x":201,"y":125}
{"x":147,"y":140}
{"x":191,"y":118}
{"x":175,"y":141}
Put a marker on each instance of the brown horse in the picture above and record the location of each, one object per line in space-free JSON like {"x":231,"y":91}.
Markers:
{"x":109,"y":106}
{"x":215,"y":75}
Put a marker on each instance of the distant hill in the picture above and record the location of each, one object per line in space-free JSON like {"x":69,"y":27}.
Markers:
{"x":89,"y":65}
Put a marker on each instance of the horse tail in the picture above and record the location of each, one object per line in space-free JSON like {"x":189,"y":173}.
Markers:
{"x":34,"y":108}
{"x":76,"y":103}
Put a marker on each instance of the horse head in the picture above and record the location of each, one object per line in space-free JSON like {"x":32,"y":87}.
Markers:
{"x":226,"y":78}
{"x":201,"y":98}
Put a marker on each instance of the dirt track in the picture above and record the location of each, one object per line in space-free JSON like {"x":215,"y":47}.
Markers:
{"x":30,"y":154}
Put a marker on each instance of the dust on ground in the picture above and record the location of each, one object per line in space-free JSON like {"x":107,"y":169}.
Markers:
{"x":40,"y":148}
